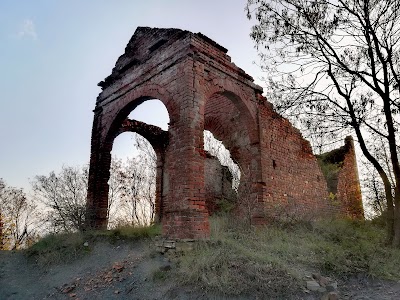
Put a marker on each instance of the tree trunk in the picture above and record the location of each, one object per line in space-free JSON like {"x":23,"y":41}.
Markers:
{"x":396,"y":223}
{"x":390,"y":217}
{"x":390,"y":213}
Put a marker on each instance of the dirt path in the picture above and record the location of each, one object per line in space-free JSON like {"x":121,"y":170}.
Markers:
{"x":132,"y":271}
{"x":108,"y":272}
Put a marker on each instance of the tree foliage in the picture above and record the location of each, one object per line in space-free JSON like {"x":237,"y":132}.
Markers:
{"x":335,"y":66}
{"x":18,"y":218}
{"x":373,"y":187}
{"x":64,"y":196}
{"x":131,"y":192}
{"x":136,"y":182}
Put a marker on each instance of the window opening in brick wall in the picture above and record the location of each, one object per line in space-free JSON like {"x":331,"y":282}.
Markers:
{"x":216,"y":148}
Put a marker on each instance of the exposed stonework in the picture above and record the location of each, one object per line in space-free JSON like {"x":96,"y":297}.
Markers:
{"x":202,"y":90}
{"x":340,"y":169}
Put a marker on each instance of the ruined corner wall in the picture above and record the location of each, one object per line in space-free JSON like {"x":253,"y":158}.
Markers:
{"x":294,"y":184}
{"x":340,"y":170}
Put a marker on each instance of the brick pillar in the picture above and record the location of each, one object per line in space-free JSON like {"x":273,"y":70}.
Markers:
{"x":348,"y":187}
{"x":99,"y":173}
{"x":250,"y":198}
{"x":184,"y":211}
{"x":159,"y":187}
{"x":185,"y":214}
{"x":265,"y":144}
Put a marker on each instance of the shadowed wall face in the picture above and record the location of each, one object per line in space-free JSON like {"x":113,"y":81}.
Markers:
{"x":340,"y":170}
{"x":202,"y":90}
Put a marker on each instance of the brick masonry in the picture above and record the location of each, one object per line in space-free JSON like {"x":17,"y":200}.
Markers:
{"x":202,"y":90}
{"x":218,"y":185}
{"x":340,"y":170}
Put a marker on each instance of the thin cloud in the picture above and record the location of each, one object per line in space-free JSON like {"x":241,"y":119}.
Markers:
{"x":27,"y":30}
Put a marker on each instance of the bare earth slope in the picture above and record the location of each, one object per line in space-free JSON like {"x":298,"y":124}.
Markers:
{"x":134,"y":271}
{"x":108,"y":272}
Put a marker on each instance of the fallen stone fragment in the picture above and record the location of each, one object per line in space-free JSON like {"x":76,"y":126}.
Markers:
{"x":316,"y":276}
{"x":323,"y":281}
{"x":331,"y":287}
{"x":312,"y":285}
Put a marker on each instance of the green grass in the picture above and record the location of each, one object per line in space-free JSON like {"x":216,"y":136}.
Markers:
{"x":274,"y":259}
{"x":64,"y":248}
{"x":126,"y":233}
{"x":60,"y":248}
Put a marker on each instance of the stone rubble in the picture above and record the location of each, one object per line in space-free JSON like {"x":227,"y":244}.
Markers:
{"x":321,"y":284}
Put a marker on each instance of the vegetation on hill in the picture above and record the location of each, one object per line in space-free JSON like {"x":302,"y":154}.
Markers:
{"x":239,"y":260}
{"x":332,"y":67}
{"x":277,"y":257}
{"x":67,"y":247}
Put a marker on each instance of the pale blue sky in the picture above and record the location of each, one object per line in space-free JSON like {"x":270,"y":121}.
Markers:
{"x":54,"y":52}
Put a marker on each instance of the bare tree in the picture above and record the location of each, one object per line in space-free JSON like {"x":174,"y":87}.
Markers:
{"x":117,"y":190}
{"x":137,"y":197}
{"x":334,"y":65}
{"x":374,"y":190}
{"x":18,"y":217}
{"x":64,"y":196}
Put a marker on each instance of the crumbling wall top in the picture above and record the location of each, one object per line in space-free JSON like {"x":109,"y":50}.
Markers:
{"x":146,"y":42}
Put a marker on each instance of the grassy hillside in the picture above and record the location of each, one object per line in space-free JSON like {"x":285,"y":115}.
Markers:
{"x":240,"y":261}
{"x":277,"y":257}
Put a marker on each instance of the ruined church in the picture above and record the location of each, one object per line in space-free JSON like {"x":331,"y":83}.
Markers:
{"x":203,"y":89}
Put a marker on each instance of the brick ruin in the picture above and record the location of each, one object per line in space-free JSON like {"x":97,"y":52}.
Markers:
{"x":339,"y":167}
{"x":203,"y":90}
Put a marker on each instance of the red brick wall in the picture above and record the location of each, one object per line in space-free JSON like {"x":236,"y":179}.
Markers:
{"x":348,"y":188}
{"x":202,"y":89}
{"x":294,"y":183}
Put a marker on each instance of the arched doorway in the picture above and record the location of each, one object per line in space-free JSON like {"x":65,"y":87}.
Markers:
{"x":230,"y":121}
{"x":150,"y":141}
{"x":132,"y":197}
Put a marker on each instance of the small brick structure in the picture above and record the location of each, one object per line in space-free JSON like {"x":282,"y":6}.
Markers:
{"x":203,"y":90}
